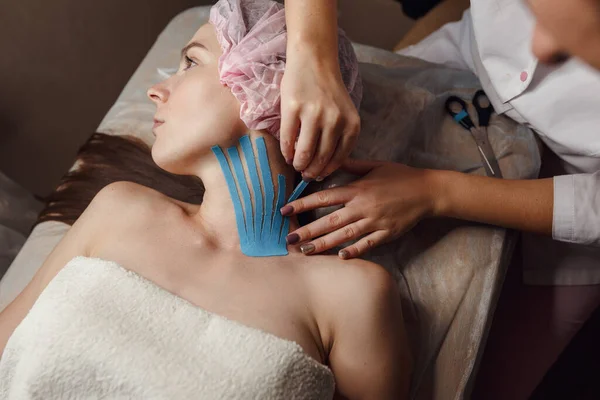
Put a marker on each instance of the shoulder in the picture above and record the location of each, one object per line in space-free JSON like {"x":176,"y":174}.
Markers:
{"x":373,"y":275}
{"x":368,"y":288}
{"x":123,"y":192}
{"x":359,"y":280}
{"x":352,"y":291}
{"x":127,"y":197}
{"x":365,"y":337}
{"x":125,"y":207}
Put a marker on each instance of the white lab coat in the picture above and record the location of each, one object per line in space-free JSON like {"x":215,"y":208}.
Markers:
{"x":560,"y":103}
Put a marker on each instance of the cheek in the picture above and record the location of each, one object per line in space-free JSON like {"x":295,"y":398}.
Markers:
{"x":207,"y":102}
{"x":217,"y":113}
{"x":200,"y":115}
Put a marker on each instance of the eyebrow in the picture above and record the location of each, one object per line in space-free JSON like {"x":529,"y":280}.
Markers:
{"x":189,"y":46}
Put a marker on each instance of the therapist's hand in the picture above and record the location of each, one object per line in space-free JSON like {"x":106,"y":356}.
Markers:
{"x":386,"y":202}
{"x":316,"y":110}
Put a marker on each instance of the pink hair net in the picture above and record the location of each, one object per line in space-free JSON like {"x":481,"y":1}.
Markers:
{"x":253,"y":36}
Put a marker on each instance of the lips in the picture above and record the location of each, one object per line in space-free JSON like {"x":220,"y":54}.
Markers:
{"x":157,"y":123}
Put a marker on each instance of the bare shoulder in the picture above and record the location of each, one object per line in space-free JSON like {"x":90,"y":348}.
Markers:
{"x":374,"y":275}
{"x":129,"y":195}
{"x":367,"y":288}
{"x":356,"y":280}
{"x":363,"y":331}
{"x":109,"y":213}
{"x":128,"y":202}
{"x":351,"y":290}
{"x":114,"y":212}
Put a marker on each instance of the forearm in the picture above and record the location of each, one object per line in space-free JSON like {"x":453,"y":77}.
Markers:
{"x":520,"y":204}
{"x":312,"y":24}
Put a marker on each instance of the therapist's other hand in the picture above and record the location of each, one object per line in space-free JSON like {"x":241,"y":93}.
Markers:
{"x":316,"y":110}
{"x":386,"y":202}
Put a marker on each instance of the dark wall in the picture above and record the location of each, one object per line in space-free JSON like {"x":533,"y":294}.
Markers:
{"x":62,"y":65}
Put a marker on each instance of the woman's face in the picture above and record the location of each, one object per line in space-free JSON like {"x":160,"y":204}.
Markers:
{"x":196,"y":110}
{"x":567,"y":27}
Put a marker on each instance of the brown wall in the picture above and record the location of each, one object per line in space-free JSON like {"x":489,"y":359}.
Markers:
{"x":64,"y":62}
{"x":62,"y":65}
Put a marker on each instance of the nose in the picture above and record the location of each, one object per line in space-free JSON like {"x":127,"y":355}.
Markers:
{"x":545,"y":48}
{"x":158,"y":93}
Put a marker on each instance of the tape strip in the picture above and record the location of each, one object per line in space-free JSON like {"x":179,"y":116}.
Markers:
{"x":278,"y":218}
{"x":268,"y":188}
{"x":298,"y":191}
{"x":258,"y":196}
{"x":261,"y":227}
{"x":237,"y":205}
{"x":234,"y":156}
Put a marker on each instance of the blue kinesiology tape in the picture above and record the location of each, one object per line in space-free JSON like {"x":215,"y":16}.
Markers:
{"x":278,"y":218}
{"x":298,"y":191}
{"x":235,"y":198}
{"x":261,"y":227}
{"x":258,"y":198}
{"x":234,"y":156}
{"x":268,"y":188}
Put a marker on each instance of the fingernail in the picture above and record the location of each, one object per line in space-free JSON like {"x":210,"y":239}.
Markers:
{"x":307,"y":248}
{"x":286,"y":210}
{"x":292,"y":238}
{"x":344,"y":254}
{"x":306,"y":179}
{"x":319,"y":178}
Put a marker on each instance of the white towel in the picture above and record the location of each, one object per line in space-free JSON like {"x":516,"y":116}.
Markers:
{"x":100,"y":331}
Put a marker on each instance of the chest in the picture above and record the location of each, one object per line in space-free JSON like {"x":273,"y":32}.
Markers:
{"x":267,"y":293}
{"x":114,"y":335}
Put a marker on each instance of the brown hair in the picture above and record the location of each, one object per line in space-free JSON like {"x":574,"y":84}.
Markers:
{"x":105,"y":159}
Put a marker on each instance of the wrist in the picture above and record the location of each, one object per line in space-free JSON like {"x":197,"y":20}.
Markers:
{"x":312,"y":26}
{"x":314,"y":46}
{"x":440,"y":184}
{"x":325,"y":67}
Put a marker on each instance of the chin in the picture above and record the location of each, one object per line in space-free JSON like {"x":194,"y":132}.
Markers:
{"x":164,"y":159}
{"x":178,"y":158}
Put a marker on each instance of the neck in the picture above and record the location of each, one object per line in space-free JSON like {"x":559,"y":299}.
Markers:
{"x":217,"y":215}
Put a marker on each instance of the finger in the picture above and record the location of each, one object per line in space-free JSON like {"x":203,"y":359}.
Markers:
{"x":307,"y":143}
{"x":360,"y":167}
{"x":336,"y":238}
{"x":323,"y":198}
{"x":325,"y":150}
{"x":329,"y":223}
{"x":364,"y":245}
{"x":343,"y":149}
{"x":290,"y":124}
{"x":334,"y":163}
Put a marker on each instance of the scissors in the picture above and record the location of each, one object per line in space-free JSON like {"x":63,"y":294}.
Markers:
{"x":457,"y":108}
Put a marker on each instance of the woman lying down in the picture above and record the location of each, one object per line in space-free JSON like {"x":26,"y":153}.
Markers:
{"x":150,"y":297}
